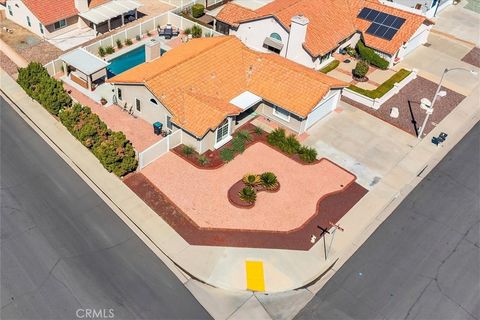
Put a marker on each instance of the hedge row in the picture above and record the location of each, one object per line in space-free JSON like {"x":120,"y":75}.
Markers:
{"x":384,"y":87}
{"x":329,"y":67}
{"x":112,"y":148}
{"x":371,"y":56}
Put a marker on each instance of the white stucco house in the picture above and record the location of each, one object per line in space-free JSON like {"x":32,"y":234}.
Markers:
{"x":76,"y":21}
{"x":309,"y":32}
{"x":209,"y":87}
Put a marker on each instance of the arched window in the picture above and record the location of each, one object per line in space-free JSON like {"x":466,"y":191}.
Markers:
{"x":276,"y":36}
{"x":153,"y":101}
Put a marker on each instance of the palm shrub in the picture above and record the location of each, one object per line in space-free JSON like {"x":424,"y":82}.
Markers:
{"x":128,"y":42}
{"x":187,"y":31}
{"x":244,"y":135}
{"x":248,"y":194}
{"x":227,"y":154}
{"x":119,"y":44}
{"x":203,"y":160}
{"x":269,"y":180}
{"x":307,"y":154}
{"x":361,"y":69}
{"x":258,"y":130}
{"x":251,"y":179}
{"x":109,"y":50}
{"x":188,"y":150}
{"x":276,"y":137}
{"x":238,"y":144}
{"x":196,"y":31}
{"x":290,"y":145}
{"x":101,"y":51}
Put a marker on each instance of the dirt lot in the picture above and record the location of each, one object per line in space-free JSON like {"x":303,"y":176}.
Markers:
{"x":27,"y":44}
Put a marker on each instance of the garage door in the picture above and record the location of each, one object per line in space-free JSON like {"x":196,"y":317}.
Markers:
{"x":415,"y":42}
{"x":322,"y":110}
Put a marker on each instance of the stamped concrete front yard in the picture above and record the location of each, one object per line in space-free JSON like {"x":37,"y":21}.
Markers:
{"x":202,"y":194}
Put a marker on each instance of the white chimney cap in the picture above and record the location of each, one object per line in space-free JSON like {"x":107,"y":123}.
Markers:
{"x":300,"y":19}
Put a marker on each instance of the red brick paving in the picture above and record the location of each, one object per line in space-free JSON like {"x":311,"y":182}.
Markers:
{"x":473,"y":57}
{"x":329,"y":210}
{"x":408,"y":102}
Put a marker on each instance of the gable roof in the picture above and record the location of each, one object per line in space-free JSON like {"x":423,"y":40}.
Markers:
{"x":197,"y":81}
{"x":51,"y":11}
{"x":331,"y":21}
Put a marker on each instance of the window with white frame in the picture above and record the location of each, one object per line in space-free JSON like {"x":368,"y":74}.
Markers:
{"x":41,"y":28}
{"x":10,"y":10}
{"x":281,"y":113}
{"x":138,"y":104}
{"x":169,"y":122}
{"x":222,"y":131}
{"x":29,"y":22}
{"x":119,"y":94}
{"x":60,"y":24}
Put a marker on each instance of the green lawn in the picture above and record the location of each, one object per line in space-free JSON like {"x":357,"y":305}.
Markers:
{"x":384,"y":87}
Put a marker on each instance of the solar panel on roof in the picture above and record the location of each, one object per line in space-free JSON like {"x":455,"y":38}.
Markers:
{"x":389,"y":20}
{"x":398,"y":23}
{"x":380,"y":18}
{"x":372,"y":15}
{"x":373,"y":28}
{"x":364,"y":13}
{"x":390,"y":34}
{"x":381,"y":31}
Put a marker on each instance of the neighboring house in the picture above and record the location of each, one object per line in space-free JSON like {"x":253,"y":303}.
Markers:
{"x":51,"y":18}
{"x":428,"y":8}
{"x":309,"y":32}
{"x":210,"y":86}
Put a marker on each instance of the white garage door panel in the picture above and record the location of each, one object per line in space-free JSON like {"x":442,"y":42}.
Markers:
{"x":415,"y":42}
{"x":322,"y":110}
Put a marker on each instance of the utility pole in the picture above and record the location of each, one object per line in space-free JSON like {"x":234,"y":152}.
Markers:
{"x":322,"y":234}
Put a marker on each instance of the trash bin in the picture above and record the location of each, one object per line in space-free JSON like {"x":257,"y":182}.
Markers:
{"x":157,"y":128}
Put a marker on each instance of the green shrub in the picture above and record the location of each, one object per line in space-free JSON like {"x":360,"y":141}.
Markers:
{"x":384,"y":87}
{"x":307,"y":154}
{"x":290,"y":145}
{"x":101,"y":52}
{"x":227,"y":154}
{"x":269,"y":180}
{"x":148,"y":34}
{"x":238,"y":144}
{"x":371,"y":56}
{"x":244,"y":135}
{"x":329,"y":67}
{"x":196,"y":31}
{"x":119,"y":44}
{"x":128,"y":42}
{"x":351,"y":51}
{"x":109,"y":50}
{"x":198,"y":10}
{"x":248,"y":194}
{"x":38,"y":84}
{"x":251,"y":179}
{"x":116,"y":154}
{"x":203,"y":160}
{"x":361,"y":69}
{"x":187,"y":31}
{"x":188,"y":150}
{"x":258,"y":130}
{"x":138,"y":37}
{"x":276,"y":137}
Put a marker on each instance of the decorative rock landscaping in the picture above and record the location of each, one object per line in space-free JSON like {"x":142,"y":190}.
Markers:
{"x":243,"y":193}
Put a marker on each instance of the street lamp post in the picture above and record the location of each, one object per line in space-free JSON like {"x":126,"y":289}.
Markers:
{"x":429,"y":112}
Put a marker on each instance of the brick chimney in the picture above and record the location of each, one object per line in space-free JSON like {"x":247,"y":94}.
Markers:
{"x":298,"y":33}
{"x":81,"y":5}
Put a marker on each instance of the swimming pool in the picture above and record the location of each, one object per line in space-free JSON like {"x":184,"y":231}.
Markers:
{"x":127,"y":61}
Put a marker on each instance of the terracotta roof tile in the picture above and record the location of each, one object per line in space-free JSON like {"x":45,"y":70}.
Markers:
{"x":196,"y":81}
{"x":49,"y":12}
{"x":331,"y":21}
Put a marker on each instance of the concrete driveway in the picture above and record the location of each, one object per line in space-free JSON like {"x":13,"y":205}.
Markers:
{"x":363,"y":144}
{"x":443,"y":52}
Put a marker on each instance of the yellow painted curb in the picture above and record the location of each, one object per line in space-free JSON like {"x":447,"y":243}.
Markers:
{"x":255,"y":277}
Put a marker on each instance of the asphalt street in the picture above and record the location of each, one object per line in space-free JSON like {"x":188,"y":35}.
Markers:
{"x":64,"y":251}
{"x":423,"y":261}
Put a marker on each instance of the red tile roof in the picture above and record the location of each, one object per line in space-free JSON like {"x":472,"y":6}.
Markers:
{"x":331,"y":21}
{"x":49,"y":12}
{"x":197,"y":80}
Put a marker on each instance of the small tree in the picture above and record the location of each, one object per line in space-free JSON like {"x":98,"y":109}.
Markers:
{"x":198,"y":10}
{"x":361,"y":69}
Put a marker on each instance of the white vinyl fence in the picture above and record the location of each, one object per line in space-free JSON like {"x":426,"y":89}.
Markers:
{"x":377,"y":103}
{"x":158,"y":149}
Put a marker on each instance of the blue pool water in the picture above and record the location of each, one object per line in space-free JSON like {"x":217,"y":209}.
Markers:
{"x":127,"y":61}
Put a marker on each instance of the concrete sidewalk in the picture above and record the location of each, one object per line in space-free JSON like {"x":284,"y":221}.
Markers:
{"x":224,"y":267}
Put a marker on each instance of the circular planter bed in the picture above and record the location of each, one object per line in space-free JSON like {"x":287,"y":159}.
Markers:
{"x":234,"y":193}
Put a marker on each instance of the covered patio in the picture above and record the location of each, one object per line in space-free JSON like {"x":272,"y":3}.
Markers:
{"x":111,"y":15}
{"x":84,"y":68}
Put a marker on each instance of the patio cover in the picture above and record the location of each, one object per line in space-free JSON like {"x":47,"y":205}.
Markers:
{"x":109,"y":10}
{"x":273,"y":43}
{"x":84,"y":61}
{"x":245,"y":100}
